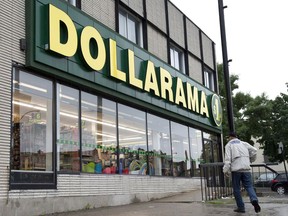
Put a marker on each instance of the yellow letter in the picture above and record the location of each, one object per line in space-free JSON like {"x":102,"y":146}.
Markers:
{"x":203,"y":106}
{"x":151,"y":79}
{"x":166,"y":84}
{"x":56,"y":16}
{"x":87,"y":34}
{"x":180,"y":94}
{"x":192,"y":98}
{"x":114,"y":72}
{"x":131,"y":69}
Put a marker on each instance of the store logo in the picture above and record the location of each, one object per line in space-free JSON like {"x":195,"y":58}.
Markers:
{"x":216,"y":109}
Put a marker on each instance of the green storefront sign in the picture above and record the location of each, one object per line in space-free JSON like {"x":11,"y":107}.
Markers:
{"x":66,"y":43}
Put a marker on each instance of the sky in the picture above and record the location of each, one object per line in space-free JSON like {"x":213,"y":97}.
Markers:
{"x":256,"y":38}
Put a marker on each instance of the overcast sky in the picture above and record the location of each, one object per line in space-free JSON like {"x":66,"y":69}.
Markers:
{"x":257,"y":40}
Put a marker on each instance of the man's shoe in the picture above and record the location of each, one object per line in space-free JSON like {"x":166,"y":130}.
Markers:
{"x":257,"y":208}
{"x":239,"y":210}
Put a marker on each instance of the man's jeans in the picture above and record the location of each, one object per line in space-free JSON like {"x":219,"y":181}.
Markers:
{"x":246,"y":179}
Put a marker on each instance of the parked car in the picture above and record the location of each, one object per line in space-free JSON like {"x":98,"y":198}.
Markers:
{"x":280,"y":184}
{"x":264,"y":180}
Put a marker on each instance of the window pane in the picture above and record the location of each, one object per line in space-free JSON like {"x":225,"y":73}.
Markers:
{"x":180,"y":150}
{"x":32,"y":123}
{"x":132,"y":35}
{"x":68,"y":129}
{"x":32,"y":132}
{"x":122,"y":24}
{"x":176,"y":60}
{"x":209,"y":80}
{"x":159,"y":146}
{"x":98,"y":134}
{"x":172,"y":59}
{"x":132,"y":140}
{"x":196,"y":150}
{"x":211,"y":148}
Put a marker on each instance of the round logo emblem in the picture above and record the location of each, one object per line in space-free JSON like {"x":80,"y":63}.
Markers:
{"x":216,"y":110}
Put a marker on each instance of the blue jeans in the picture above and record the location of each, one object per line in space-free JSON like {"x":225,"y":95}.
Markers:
{"x":246,"y":179}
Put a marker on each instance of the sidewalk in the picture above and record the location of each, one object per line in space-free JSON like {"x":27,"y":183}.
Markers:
{"x":190,"y":203}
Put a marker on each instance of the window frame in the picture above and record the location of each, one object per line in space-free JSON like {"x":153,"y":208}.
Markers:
{"x":138,"y":26}
{"x":181,"y":58}
{"x":209,"y":79}
{"x":41,"y":176}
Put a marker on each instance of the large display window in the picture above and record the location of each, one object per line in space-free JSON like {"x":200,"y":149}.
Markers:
{"x":58,"y":127}
{"x":196,"y":150}
{"x":99,"y":139}
{"x":132,"y":140}
{"x":180,"y":150}
{"x":68,"y":134}
{"x":32,"y":131}
{"x":159,"y":145}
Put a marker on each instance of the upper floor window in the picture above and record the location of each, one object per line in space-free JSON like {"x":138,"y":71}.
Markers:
{"x":130,"y":27}
{"x":209,"y":80}
{"x":177,"y":59}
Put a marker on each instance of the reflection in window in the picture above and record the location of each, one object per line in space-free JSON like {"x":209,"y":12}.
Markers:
{"x":196,"y":150}
{"x":211,"y":148}
{"x":180,"y":150}
{"x":130,"y":27}
{"x":98,"y":134}
{"x":177,"y":59}
{"x":31,"y":123}
{"x":132,"y":141}
{"x":159,"y":145}
{"x":68,"y":129}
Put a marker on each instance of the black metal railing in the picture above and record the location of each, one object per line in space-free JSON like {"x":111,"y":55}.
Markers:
{"x":214,"y":184}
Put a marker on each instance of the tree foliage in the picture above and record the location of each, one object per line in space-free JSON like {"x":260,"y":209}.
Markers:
{"x":260,"y":118}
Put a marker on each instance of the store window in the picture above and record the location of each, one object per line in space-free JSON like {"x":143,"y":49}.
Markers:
{"x":209,"y":80}
{"x":196,"y":150}
{"x":211,"y":148}
{"x":68,"y":134}
{"x":159,"y":146}
{"x":177,"y":59}
{"x":132,"y":141}
{"x":99,"y":139}
{"x":32,"y":132}
{"x":130,"y":27}
{"x":180,"y":150}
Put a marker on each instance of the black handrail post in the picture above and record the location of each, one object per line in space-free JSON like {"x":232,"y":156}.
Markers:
{"x":225,"y":67}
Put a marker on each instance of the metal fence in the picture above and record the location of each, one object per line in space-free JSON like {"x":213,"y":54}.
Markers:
{"x":214,"y":184}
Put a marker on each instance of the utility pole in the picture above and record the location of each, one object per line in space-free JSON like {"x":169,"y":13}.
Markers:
{"x":226,"y":68}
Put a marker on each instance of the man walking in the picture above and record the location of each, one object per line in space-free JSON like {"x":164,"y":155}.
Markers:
{"x":238,"y":155}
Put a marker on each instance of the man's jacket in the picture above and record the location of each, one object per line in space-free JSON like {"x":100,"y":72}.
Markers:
{"x":238,"y":155}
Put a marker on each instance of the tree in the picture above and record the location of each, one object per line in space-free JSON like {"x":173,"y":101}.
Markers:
{"x":276,"y":129}
{"x":259,"y":117}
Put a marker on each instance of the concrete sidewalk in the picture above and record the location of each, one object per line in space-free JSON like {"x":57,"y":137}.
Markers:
{"x":190,"y":204}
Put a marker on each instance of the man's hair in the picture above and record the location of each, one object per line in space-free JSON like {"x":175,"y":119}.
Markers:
{"x":233,"y":134}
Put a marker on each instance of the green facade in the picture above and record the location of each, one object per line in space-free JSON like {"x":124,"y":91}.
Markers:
{"x":74,"y":70}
